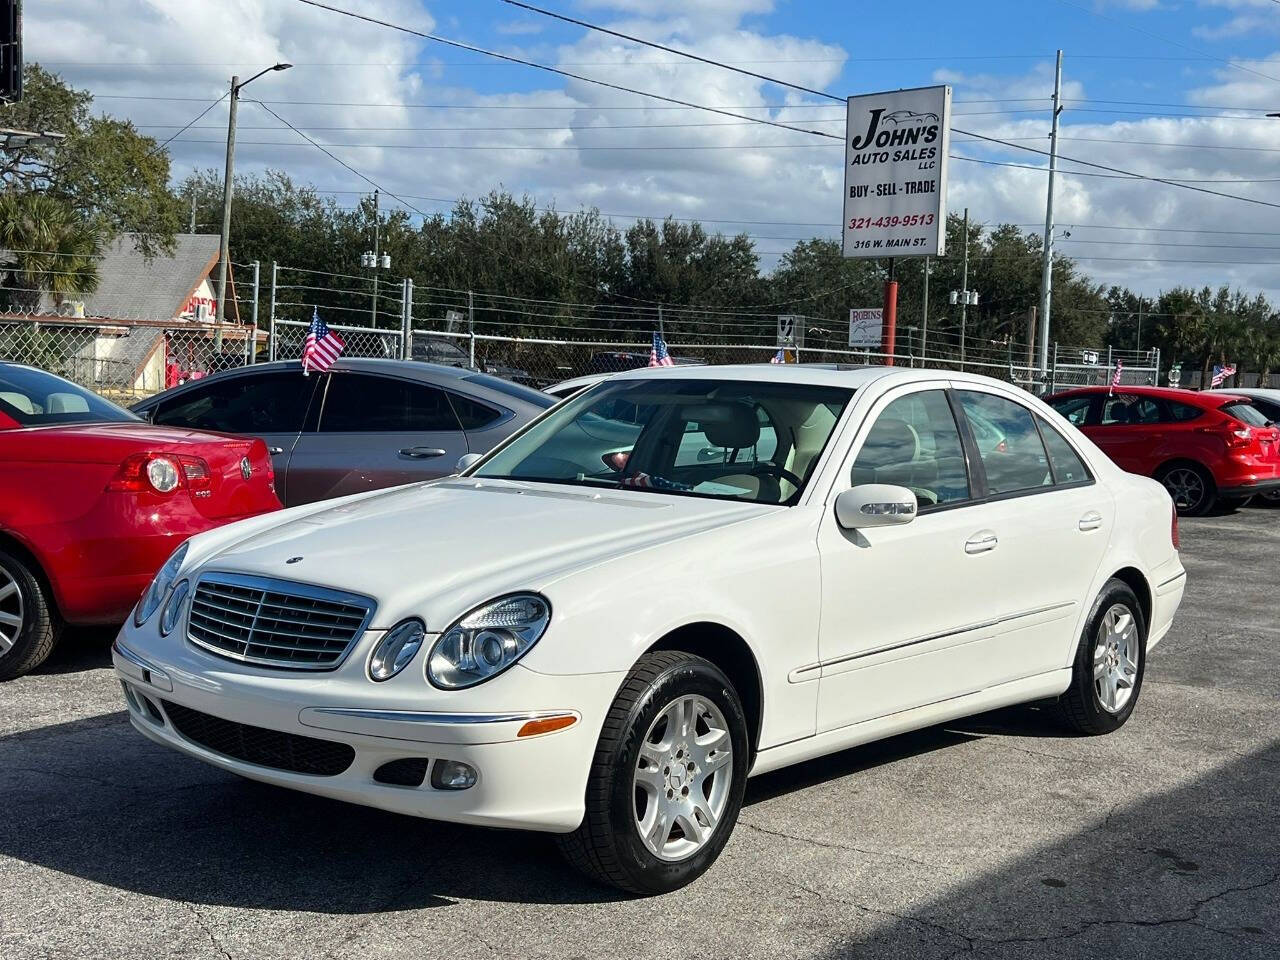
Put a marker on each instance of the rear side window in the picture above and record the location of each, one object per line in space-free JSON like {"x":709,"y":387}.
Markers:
{"x":473,"y":414}
{"x":363,"y":403}
{"x":1182,"y":412}
{"x":1075,"y":409}
{"x":1009,"y":443}
{"x":274,"y":402}
{"x":1068,"y":468}
{"x":1122,"y":409}
{"x":1246,"y":413}
{"x":915,"y":443}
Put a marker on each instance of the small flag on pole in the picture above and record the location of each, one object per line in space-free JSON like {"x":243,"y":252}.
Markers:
{"x":1220,"y":373}
{"x":1115,"y":379}
{"x":322,"y":346}
{"x":658,"y":355}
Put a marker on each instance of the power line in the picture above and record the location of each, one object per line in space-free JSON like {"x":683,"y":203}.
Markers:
{"x":680,"y":53}
{"x":548,"y":69}
{"x":1108,"y":176}
{"x":194,"y":120}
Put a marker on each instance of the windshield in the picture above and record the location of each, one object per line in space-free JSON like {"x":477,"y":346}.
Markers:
{"x":727,"y":439}
{"x":34,"y":398}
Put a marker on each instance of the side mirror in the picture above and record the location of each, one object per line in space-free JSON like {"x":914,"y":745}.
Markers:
{"x":875,"y":505}
{"x":466,"y":460}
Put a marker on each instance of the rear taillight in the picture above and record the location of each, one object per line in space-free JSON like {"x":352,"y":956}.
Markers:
{"x":162,"y":473}
{"x":1233,"y":434}
{"x":1173,"y":532}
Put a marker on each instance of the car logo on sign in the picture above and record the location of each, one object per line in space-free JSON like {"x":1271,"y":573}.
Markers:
{"x":246,"y":468}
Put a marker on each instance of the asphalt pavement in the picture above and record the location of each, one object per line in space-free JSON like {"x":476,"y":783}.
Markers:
{"x":998,"y":837}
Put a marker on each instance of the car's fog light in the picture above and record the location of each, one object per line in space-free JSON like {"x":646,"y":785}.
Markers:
{"x":452,"y":775}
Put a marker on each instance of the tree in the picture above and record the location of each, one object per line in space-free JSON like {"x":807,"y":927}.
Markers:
{"x":48,"y":248}
{"x":115,"y":177}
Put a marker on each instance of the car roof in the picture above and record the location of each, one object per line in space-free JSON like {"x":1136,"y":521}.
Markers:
{"x":1181,"y":394}
{"x":1266,"y":393}
{"x":853,"y":377}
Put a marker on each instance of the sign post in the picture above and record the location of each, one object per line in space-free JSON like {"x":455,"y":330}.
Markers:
{"x":895,"y":183}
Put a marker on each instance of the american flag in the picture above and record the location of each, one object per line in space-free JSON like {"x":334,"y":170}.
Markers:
{"x":322,"y":346}
{"x":1221,"y":373}
{"x":779,"y":357}
{"x":1115,"y":379}
{"x":658,"y":356}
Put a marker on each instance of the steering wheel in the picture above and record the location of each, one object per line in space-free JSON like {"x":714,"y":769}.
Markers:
{"x":782,"y":473}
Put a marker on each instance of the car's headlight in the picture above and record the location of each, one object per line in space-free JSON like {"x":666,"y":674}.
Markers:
{"x":155,"y":594}
{"x":173,"y":608}
{"x":487,"y":640}
{"x":396,"y":649}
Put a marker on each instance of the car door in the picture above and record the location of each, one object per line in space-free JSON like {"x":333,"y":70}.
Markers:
{"x":375,"y":431}
{"x":1127,"y":428}
{"x":967,"y":595}
{"x":271,"y":404}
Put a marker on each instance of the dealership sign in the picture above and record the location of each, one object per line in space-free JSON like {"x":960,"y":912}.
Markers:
{"x":866,"y":327}
{"x":895,"y":174}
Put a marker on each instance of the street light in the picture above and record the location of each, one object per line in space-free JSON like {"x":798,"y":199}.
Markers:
{"x":225,"y":241}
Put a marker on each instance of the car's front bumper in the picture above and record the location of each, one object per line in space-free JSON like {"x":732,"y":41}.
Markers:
{"x":533,"y":782}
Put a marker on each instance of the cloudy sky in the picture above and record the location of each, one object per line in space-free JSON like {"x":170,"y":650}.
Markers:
{"x":1172,"y":88}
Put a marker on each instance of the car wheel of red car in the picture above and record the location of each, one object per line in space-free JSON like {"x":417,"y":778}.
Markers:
{"x":1191,"y":487}
{"x":28,"y":625}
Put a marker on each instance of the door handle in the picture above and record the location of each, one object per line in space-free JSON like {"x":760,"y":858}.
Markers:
{"x":1090,"y":521}
{"x":981,"y":542}
{"x":421,"y":453}
{"x":275,"y":451}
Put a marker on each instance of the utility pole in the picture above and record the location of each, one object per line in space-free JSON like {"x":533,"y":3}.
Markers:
{"x":1031,"y":342}
{"x":1046,"y":275}
{"x":1140,"y":305}
{"x":964,"y":284}
{"x":193,"y":211}
{"x":224,"y":242}
{"x":374,"y":308}
{"x":924,"y":320}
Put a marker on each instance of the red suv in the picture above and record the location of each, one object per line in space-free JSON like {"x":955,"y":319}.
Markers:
{"x":1204,"y":447}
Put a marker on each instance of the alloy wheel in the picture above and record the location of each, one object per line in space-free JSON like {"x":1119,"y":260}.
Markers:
{"x":682,"y":778}
{"x":11,"y":612}
{"x":1186,"y":486}
{"x":1115,"y":658}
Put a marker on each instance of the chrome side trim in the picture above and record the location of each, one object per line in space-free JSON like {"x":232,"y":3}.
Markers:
{"x":127,"y":654}
{"x":463,"y":719}
{"x":150,"y":673}
{"x":1173,"y":579}
{"x":798,"y":675}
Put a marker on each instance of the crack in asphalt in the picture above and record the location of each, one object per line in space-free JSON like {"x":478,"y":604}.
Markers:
{"x":208,"y":931}
{"x":836,"y":846}
{"x":46,"y":772}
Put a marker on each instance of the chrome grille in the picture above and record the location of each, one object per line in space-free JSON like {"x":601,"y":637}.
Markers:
{"x":275,"y":623}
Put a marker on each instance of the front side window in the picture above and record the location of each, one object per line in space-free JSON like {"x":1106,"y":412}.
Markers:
{"x":1013,"y":455}
{"x":726,"y":439}
{"x":1270,"y":408}
{"x":34,"y":398}
{"x":274,"y":402}
{"x":1075,"y":409}
{"x":915,"y":443}
{"x":364,"y":403}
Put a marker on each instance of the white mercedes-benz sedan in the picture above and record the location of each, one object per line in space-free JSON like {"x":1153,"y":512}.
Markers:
{"x":669,"y":582}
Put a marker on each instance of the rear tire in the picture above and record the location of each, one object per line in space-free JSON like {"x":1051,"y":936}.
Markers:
{"x":1191,"y":487}
{"x":28,"y":625}
{"x":659,"y":785}
{"x":1110,"y":663}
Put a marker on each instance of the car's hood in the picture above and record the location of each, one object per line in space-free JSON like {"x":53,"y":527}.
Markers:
{"x":437,"y":549}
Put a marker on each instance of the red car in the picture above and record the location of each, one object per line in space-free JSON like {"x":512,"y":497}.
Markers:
{"x":1206,"y":448}
{"x":92,"y":501}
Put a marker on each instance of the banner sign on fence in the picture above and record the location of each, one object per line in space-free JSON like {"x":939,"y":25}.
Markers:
{"x":866,"y":327}
{"x":895,"y":174}
{"x":790,"y":331}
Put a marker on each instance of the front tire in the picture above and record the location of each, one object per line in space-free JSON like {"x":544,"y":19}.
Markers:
{"x":28,"y":625}
{"x":667,"y":778}
{"x":1110,"y":663}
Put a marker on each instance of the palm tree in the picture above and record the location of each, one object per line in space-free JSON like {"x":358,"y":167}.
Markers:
{"x":45,"y":248}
